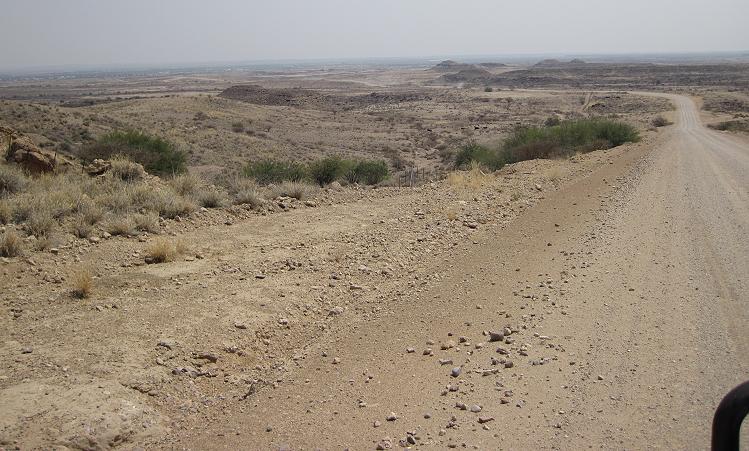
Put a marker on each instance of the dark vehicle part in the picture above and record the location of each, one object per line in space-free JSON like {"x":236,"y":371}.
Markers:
{"x":728,"y":418}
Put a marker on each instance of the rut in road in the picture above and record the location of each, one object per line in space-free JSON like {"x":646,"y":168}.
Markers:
{"x":625,"y":299}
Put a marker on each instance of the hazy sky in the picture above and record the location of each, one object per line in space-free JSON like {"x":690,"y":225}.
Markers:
{"x":73,"y":32}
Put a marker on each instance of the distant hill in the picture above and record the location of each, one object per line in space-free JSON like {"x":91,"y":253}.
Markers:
{"x":454,"y":66}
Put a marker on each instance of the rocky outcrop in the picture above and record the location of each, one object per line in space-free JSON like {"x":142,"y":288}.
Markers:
{"x":22,"y":151}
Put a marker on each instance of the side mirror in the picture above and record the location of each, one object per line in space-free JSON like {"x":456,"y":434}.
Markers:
{"x":728,"y":418}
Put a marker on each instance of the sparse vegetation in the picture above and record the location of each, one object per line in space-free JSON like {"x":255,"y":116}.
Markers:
{"x":12,"y":180}
{"x":272,"y":171}
{"x":158,"y":156}
{"x":297,"y":190}
{"x":120,"y":226}
{"x":327,"y":170}
{"x":125,"y":170}
{"x":10,"y":244}
{"x":660,"y":121}
{"x":563,"y":140}
{"x":368,"y":172}
{"x":733,"y":126}
{"x":162,"y":250}
{"x":474,"y":153}
{"x":147,"y":222}
{"x":322,"y":172}
{"x":82,"y":283}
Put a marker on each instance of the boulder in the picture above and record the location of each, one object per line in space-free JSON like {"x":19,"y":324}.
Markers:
{"x":23,"y":152}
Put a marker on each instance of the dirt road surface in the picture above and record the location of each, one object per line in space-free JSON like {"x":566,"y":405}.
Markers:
{"x":625,"y":296}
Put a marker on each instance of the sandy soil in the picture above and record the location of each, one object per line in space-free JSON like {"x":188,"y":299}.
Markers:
{"x":363,"y":318}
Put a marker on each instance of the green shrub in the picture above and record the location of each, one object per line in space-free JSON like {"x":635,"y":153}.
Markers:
{"x":327,"y":170}
{"x":157,"y":155}
{"x":488,"y":158}
{"x":266,"y":172}
{"x":368,"y":172}
{"x":563,"y":139}
{"x":567,"y":138}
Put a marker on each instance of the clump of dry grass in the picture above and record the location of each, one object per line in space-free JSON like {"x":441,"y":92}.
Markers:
{"x":162,"y":250}
{"x":10,"y":244}
{"x":12,"y":180}
{"x":6,"y":212}
{"x":169,"y":204}
{"x":472,"y":180}
{"x":125,"y":170}
{"x":210,"y":197}
{"x":120,"y":226}
{"x":297,"y":190}
{"x":244,"y":191}
{"x":80,"y":227}
{"x":554,"y":174}
{"x":185,"y":184}
{"x":41,"y":223}
{"x":82,"y":284}
{"x":451,"y":213}
{"x":147,"y":222}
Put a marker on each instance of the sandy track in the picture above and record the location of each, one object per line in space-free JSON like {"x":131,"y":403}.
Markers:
{"x":626,"y":294}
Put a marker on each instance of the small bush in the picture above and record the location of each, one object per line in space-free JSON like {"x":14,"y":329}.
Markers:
{"x":125,"y":170}
{"x":368,"y":172}
{"x":12,"y":180}
{"x":211,"y":197}
{"x":660,"y":121}
{"x":470,"y":153}
{"x":185,"y":184}
{"x":6,"y":212}
{"x":733,"y":126}
{"x":10,"y":244}
{"x":148,"y":222}
{"x":41,"y":223}
{"x":327,"y":170}
{"x":169,"y":204}
{"x":82,"y":284}
{"x":297,"y":190}
{"x":266,"y":172}
{"x":120,"y":226}
{"x":81,"y":227}
{"x":162,"y":250}
{"x":157,"y":155}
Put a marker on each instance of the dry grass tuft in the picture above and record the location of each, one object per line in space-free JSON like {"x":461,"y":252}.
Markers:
{"x":297,"y":190}
{"x":125,"y":170}
{"x":186,"y":184}
{"x":148,"y":222}
{"x":6,"y":212}
{"x":41,"y":223}
{"x":80,"y":227}
{"x":162,"y":250}
{"x":471,"y":181}
{"x":210,"y":197}
{"x":11,"y":244}
{"x":120,"y":226}
{"x":82,"y":283}
{"x":554,"y":174}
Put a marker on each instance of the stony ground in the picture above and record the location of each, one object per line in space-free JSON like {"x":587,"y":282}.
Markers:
{"x":158,"y":348}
